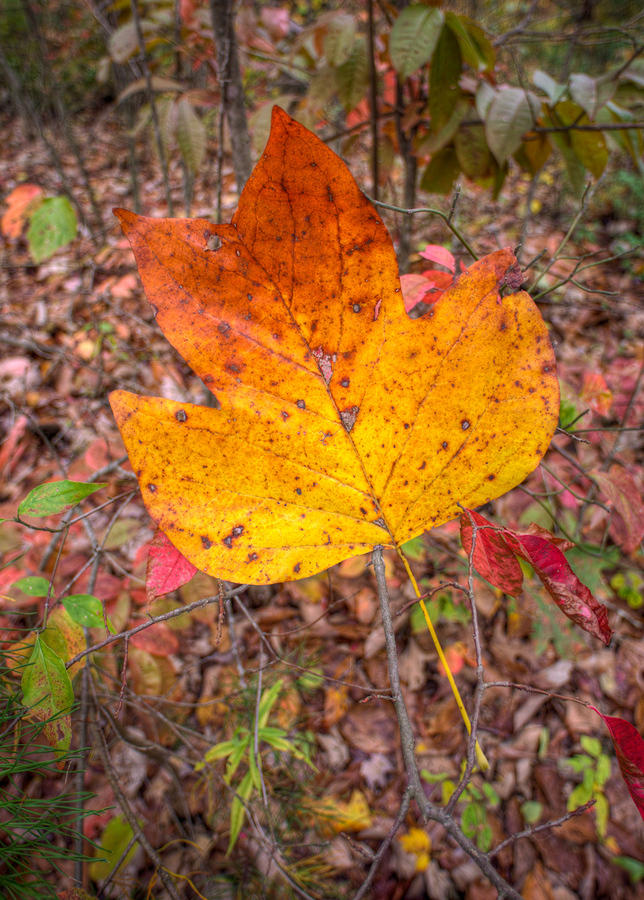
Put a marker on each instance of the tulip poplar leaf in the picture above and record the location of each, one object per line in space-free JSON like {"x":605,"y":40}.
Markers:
{"x":340,"y":423}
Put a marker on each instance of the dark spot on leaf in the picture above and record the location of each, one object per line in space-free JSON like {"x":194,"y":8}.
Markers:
{"x":223,"y":328}
{"x":444,"y":445}
{"x":465,"y":424}
{"x":491,"y":477}
{"x":297,"y":567}
{"x":349,"y":416}
{"x":345,"y":382}
{"x":181,"y":415}
{"x":380,"y":523}
{"x":207,"y":543}
{"x":284,"y":415}
{"x":228,"y":541}
{"x":300,"y":404}
{"x":363,"y":511}
{"x":232,"y":367}
{"x":298,"y":490}
{"x":356,"y":307}
{"x":406,"y":425}
{"x":152,"y":488}
{"x":252,"y":557}
{"x":214,"y":242}
{"x":422,"y":465}
{"x":237,"y":530}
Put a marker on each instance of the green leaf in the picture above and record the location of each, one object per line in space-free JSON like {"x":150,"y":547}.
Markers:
{"x":236,"y":757}
{"x":436,"y":140}
{"x":237,"y":809}
{"x":33,"y":585}
{"x":123,"y":43}
{"x":580,"y":795}
{"x":352,"y":77}
{"x":475,"y":47}
{"x":225,"y":748}
{"x":55,"y":496}
{"x":472,"y":150}
{"x":86,"y":610}
{"x":603,"y":770}
{"x":311,"y":680}
{"x":511,"y":113}
{"x":591,"y":93}
{"x":47,"y":693}
{"x":116,"y":836}
{"x":591,"y":745}
{"x":444,"y":76}
{"x":414,"y":37}
{"x":52,"y":226}
{"x":531,"y":811}
{"x":588,"y":147}
{"x":484,"y":838}
{"x":442,"y":171}
{"x":474,"y":815}
{"x":191,"y":136}
{"x":268,"y":701}
{"x":339,"y":39}
{"x":601,"y":814}
{"x":634,"y":867}
{"x":549,"y":86}
{"x":415,"y":548}
{"x":492,"y":796}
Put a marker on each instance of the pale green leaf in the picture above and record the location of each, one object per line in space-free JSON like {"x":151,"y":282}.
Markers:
{"x":52,"y":226}
{"x":191,"y":136}
{"x":511,"y":113}
{"x":414,"y":37}
{"x":55,"y":496}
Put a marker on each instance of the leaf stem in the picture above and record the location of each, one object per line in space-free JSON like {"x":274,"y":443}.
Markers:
{"x":480,"y":756}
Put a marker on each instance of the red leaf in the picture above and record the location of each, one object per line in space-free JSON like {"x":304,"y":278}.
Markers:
{"x":158,"y":639}
{"x":571,"y":596}
{"x":167,"y":569}
{"x":437,"y":254}
{"x":624,"y":495}
{"x":629,"y":747}
{"x":596,"y":393}
{"x":492,"y":559}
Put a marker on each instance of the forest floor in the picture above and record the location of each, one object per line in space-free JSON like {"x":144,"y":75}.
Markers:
{"x":78,"y":326}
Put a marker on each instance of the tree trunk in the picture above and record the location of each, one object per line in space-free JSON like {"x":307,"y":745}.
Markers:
{"x":232,"y":90}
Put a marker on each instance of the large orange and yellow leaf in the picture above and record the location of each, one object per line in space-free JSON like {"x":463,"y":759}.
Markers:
{"x":341,"y":423}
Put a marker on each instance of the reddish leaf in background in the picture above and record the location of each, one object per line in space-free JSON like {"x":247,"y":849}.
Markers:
{"x":167,"y":568}
{"x":596,"y":393}
{"x":158,"y":639}
{"x":544,"y":552}
{"x":20,"y":203}
{"x":493,"y":559}
{"x":629,"y":747}
{"x":621,"y":491}
{"x":437,"y":254}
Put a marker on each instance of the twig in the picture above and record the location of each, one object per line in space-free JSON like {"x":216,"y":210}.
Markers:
{"x":128,"y":812}
{"x":429,"y":211}
{"x":382,"y":849}
{"x":428,"y":809}
{"x":528,"y":832}
{"x":171,"y":614}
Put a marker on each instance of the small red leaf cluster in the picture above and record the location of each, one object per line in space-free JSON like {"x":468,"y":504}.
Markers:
{"x":495,"y":558}
{"x":428,"y":286}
